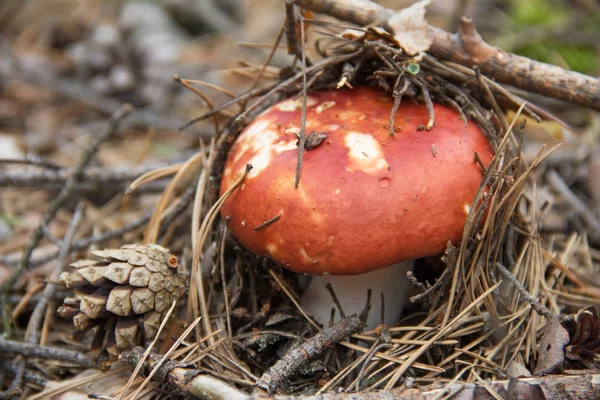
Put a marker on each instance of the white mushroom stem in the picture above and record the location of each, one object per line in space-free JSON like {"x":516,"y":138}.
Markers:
{"x":351,"y":291}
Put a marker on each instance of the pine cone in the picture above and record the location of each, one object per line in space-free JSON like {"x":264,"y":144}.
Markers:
{"x":126,"y":295}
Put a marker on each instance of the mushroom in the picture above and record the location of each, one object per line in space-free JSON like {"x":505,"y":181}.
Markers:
{"x":367,"y":204}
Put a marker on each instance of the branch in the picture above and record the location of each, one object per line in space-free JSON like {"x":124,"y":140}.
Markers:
{"x":533,"y":302}
{"x":30,"y":350}
{"x":94,"y":177}
{"x":186,"y":379}
{"x":310,"y":349}
{"x":468,"y":48}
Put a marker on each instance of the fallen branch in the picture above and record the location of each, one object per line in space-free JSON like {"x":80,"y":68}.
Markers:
{"x":93,"y":177}
{"x":184,"y":378}
{"x":468,"y":48}
{"x":30,"y":377}
{"x":29,"y":350}
{"x":533,"y":302}
{"x":310,"y":349}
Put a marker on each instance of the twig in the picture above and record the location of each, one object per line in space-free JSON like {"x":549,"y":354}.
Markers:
{"x":267,"y":222}
{"x":290,"y":30}
{"x":335,"y":299}
{"x":93,"y":176}
{"x":55,"y":206}
{"x":30,"y":350}
{"x":438,"y":283}
{"x":29,"y":160}
{"x":302,"y":139}
{"x":535,"y":304}
{"x":29,"y":376}
{"x":310,"y":349}
{"x":185,"y":378}
{"x":468,"y":48}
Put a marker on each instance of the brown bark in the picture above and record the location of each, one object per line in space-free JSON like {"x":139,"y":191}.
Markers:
{"x":468,"y":48}
{"x":310,"y":349}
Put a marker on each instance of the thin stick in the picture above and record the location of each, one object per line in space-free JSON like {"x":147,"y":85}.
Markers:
{"x":290,"y":29}
{"x":267,"y":222}
{"x":197,"y":297}
{"x":165,"y":357}
{"x":269,"y":57}
{"x":302,"y":139}
{"x":287,"y":291}
{"x":535,"y":304}
{"x":30,"y":350}
{"x":148,"y":350}
{"x":224,"y":281}
{"x":335,"y":299}
{"x":468,"y":48}
{"x":310,"y":349}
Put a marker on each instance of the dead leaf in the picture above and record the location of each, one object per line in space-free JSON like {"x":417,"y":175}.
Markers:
{"x":411,"y":30}
{"x":551,"y":353}
{"x":517,"y":370}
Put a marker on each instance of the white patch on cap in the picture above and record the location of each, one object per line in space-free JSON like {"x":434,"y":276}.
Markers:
{"x":332,"y":127}
{"x":305,"y":255}
{"x":271,"y":248}
{"x":262,"y":157}
{"x":280,"y":147}
{"x":261,"y":142}
{"x":364,"y":153}
{"x":324,"y":106}
{"x":259,"y":162}
{"x":293,"y":105}
{"x":317,"y":217}
{"x":252,"y":138}
{"x":292,"y":130}
{"x":467,"y":209}
{"x":330,"y":240}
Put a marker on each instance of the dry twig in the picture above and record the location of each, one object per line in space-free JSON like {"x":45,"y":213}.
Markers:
{"x":468,"y":48}
{"x":310,"y":349}
{"x":30,"y":350}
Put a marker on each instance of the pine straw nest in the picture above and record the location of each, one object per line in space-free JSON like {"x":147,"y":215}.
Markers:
{"x":475,"y":318}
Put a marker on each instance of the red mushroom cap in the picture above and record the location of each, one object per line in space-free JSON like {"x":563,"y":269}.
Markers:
{"x":366,"y":199}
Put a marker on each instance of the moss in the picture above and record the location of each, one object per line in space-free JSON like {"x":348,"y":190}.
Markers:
{"x":555,"y":15}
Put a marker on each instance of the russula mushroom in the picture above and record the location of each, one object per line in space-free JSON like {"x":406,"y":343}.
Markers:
{"x":366,"y":200}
